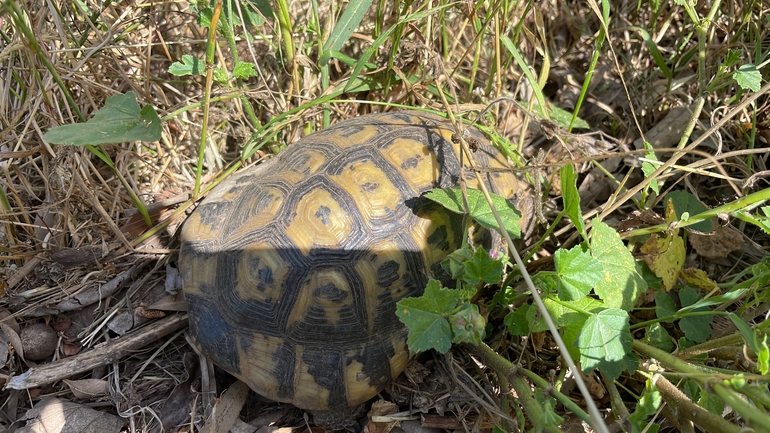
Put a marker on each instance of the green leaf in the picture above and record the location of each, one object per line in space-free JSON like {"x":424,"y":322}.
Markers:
{"x":605,"y":343}
{"x":251,"y":18}
{"x":563,"y":118}
{"x":685,"y":202}
{"x":572,"y":199}
{"x":748,"y":77}
{"x":426,"y":318}
{"x":484,"y":268}
{"x":732,"y":58}
{"x":760,"y":220}
{"x":473,"y":267}
{"x":519,"y":321}
{"x":508,"y":43}
{"x":570,"y":335}
{"x":578,"y":272}
{"x":763,"y":357}
{"x":350,"y":19}
{"x":654,"y":52}
{"x":664,"y":305}
{"x":648,"y":168}
{"x":118,"y":121}
{"x":548,"y":404}
{"x":221,"y":76}
{"x":695,"y":328}
{"x":190,"y":65}
{"x":467,"y":325}
{"x":454,"y":264}
{"x":567,"y":313}
{"x":657,"y":336}
{"x":452,"y":199}
{"x":621,"y":284}
{"x":648,"y":405}
{"x":748,"y":334}
{"x":711,"y":402}
{"x":244,"y":70}
{"x":375,"y":46}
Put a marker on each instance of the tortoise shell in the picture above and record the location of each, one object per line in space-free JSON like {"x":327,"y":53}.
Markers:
{"x":292,"y":268}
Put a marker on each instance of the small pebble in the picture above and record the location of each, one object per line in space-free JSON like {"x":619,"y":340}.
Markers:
{"x":38,"y":341}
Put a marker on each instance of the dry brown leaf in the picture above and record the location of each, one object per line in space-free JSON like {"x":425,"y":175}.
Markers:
{"x":61,"y":324}
{"x":60,"y":416}
{"x":136,"y":224}
{"x":121,"y":323}
{"x":668,"y":131}
{"x":3,"y":349}
{"x":13,"y":338}
{"x":8,"y":319}
{"x":72,"y":257}
{"x":176,"y":409}
{"x":70,"y":349}
{"x":169,"y":303}
{"x":717,"y":244}
{"x":88,"y":388}
{"x":382,"y":408}
{"x":226,"y":410}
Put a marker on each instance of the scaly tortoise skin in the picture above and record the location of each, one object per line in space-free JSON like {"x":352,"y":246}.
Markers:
{"x":292,"y":269}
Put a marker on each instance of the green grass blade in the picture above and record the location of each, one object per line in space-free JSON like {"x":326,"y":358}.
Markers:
{"x":350,"y":19}
{"x":533,"y":82}
{"x":653,"y":48}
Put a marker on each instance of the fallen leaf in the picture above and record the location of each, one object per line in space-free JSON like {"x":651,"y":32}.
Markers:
{"x":70,"y":349}
{"x":717,"y":244}
{"x":176,"y":408}
{"x":3,"y":349}
{"x":382,"y":408}
{"x":61,"y":416}
{"x":7,"y":318}
{"x":61,"y":324}
{"x":226,"y":411}
{"x":665,"y":257}
{"x":698,"y":278}
{"x":169,"y":303}
{"x":13,"y":339}
{"x":71,"y":257}
{"x":121,"y":323}
{"x":88,"y":388}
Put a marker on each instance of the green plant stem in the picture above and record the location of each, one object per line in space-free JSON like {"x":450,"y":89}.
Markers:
{"x":758,"y":395}
{"x":697,"y":108}
{"x":686,"y":410}
{"x":505,"y":368}
{"x":597,"y":51}
{"x":34,"y":46}
{"x":210,"y":49}
{"x":284,"y":22}
{"x":733,"y":206}
{"x":18,"y":19}
{"x":760,"y":421}
{"x":615,"y":399}
{"x":705,"y":347}
{"x":553,"y":392}
{"x":726,"y":393}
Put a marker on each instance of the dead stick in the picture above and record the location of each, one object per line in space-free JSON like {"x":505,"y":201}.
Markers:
{"x":107,"y":354}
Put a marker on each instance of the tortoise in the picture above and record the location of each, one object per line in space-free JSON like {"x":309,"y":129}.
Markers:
{"x":292,"y":268}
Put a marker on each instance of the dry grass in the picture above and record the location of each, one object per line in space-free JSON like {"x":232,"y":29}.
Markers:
{"x":70,"y":229}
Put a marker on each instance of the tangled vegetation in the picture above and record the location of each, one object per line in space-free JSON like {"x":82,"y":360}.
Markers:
{"x":638,"y":300}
